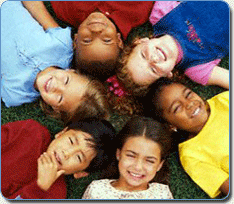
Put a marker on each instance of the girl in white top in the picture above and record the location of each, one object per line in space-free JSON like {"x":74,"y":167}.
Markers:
{"x":141,"y":154}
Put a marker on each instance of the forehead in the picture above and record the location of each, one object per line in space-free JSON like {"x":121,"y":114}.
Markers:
{"x":142,"y":145}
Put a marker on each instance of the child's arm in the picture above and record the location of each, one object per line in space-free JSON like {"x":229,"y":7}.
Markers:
{"x":38,"y":10}
{"x":47,"y":171}
{"x":225,"y":187}
{"x":220,"y":77}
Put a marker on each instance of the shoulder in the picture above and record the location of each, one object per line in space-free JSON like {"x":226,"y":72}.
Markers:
{"x":222,"y":96}
{"x":161,"y":190}
{"x":98,"y":189}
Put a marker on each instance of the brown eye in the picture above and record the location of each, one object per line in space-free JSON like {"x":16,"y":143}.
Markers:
{"x":86,"y":40}
{"x":107,"y":40}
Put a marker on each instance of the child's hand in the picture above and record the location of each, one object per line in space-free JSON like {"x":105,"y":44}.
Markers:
{"x":47,"y":171}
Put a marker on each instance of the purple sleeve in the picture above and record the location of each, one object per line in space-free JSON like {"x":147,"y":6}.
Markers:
{"x":160,"y":9}
{"x":201,"y":73}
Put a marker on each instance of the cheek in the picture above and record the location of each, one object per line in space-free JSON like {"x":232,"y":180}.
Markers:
{"x":124,"y":163}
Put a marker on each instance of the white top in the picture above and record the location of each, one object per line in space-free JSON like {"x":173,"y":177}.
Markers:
{"x":102,"y":189}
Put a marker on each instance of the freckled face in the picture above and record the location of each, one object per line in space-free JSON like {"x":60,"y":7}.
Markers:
{"x":152,"y":59}
{"x":139,"y":161}
{"x":183,"y":108}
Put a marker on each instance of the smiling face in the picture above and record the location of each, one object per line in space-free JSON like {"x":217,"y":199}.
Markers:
{"x":183,"y":108}
{"x":139,"y":161}
{"x":97,"y":39}
{"x":152,"y":59}
{"x":72,"y":150}
{"x":61,"y":89}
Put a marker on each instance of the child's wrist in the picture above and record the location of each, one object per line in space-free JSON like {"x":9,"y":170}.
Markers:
{"x":42,"y":186}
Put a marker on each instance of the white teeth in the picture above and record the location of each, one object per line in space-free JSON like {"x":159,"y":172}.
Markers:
{"x":196,"y":111}
{"x":160,"y":54}
{"x":135,"y":175}
{"x":48,"y":85}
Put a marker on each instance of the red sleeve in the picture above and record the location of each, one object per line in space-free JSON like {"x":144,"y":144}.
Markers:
{"x":12,"y":132}
{"x":32,"y":191}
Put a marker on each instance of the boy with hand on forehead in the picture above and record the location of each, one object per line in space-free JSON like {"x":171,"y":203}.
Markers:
{"x":31,"y":166}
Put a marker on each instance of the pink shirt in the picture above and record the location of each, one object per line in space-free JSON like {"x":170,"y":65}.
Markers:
{"x":200,"y":73}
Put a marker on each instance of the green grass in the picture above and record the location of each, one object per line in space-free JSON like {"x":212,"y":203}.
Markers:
{"x":181,"y":185}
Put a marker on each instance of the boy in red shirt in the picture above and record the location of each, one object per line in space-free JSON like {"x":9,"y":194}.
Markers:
{"x":31,"y":166}
{"x":101,"y":26}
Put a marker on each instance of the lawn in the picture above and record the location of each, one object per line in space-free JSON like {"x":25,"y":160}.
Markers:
{"x":181,"y":185}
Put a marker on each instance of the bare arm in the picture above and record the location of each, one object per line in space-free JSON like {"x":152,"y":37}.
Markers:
{"x":219,"y":77}
{"x":38,"y":10}
{"x":225,"y":187}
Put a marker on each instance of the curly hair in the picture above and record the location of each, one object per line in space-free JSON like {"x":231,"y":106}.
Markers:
{"x":125,"y":76}
{"x":92,"y":104}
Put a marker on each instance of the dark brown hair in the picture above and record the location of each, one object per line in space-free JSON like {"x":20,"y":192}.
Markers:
{"x":153,"y":130}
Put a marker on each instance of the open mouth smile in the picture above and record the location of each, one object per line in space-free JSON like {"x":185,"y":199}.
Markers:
{"x":196,"y":112}
{"x":48,"y":84}
{"x":135,"y":175}
{"x":161,"y":55}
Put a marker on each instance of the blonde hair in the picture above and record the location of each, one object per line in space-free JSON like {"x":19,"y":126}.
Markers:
{"x":92,"y":104}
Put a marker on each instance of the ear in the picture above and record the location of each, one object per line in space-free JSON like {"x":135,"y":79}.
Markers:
{"x":170,"y":75}
{"x":118,"y":154}
{"x":120,"y":44}
{"x":80,"y":174}
{"x":61,"y":132}
{"x":141,"y":40}
{"x":160,"y":165}
{"x":55,"y":109}
{"x":75,"y":41}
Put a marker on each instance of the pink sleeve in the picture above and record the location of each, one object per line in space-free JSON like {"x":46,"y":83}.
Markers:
{"x":201,"y":73}
{"x":160,"y":9}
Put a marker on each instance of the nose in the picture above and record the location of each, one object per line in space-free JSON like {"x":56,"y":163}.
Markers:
{"x":138,"y":165}
{"x":70,"y":152}
{"x":153,"y":59}
{"x":189,"y":104}
{"x":59,"y":86}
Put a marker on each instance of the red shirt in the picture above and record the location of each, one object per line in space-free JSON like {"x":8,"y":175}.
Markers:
{"x":125,"y":14}
{"x":22,"y":143}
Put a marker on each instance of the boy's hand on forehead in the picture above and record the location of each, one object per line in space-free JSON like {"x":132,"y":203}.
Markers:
{"x":47,"y":171}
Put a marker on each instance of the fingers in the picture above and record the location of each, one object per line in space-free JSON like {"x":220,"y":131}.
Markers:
{"x":46,"y":159}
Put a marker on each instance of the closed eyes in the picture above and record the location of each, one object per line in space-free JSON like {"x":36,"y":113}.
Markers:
{"x":60,"y":99}
{"x":67,"y":80}
{"x":87,"y":40}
